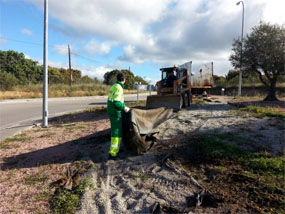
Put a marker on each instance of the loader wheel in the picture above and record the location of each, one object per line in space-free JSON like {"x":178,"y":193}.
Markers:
{"x":189,"y":98}
{"x":183,"y":100}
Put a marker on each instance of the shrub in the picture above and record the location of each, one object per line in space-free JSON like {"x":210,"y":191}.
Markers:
{"x":7,"y":80}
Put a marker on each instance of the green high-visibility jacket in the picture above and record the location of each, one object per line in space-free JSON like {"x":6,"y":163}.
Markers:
{"x":115,"y":104}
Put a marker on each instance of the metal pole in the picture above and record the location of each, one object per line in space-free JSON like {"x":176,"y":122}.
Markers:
{"x":240,"y":72}
{"x":138,"y":88}
{"x":45,"y":63}
{"x":69,"y":59}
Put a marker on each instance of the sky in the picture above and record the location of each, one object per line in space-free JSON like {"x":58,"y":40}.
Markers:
{"x":143,"y":35}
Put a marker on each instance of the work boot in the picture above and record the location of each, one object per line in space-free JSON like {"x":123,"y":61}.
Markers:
{"x":112,"y":157}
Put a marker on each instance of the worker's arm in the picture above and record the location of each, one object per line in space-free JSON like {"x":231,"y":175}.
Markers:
{"x":119,"y":105}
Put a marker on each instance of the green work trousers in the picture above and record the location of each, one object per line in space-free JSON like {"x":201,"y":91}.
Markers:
{"x":116,"y":135}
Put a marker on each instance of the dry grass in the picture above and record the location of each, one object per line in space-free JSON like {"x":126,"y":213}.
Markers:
{"x":78,"y":90}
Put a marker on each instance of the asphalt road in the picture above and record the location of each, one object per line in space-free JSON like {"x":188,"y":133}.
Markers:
{"x":17,"y":115}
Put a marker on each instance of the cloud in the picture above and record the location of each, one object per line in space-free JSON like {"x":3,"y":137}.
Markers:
{"x":130,"y":55}
{"x":93,"y":71}
{"x":163,"y":32}
{"x":61,"y":49}
{"x":94,"y":47}
{"x":26,"y":32}
{"x":27,"y":56}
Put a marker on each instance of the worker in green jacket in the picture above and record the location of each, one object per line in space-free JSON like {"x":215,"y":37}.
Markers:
{"x":115,"y":106}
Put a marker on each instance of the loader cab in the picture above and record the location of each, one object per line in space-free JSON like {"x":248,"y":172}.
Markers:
{"x":168,"y":73}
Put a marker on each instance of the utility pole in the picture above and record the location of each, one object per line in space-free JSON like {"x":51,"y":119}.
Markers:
{"x":69,"y":59}
{"x":45,"y":63}
{"x":240,"y":71}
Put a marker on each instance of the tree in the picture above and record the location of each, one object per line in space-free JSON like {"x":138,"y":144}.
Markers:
{"x":111,"y":77}
{"x":232,"y":74}
{"x":25,"y":70}
{"x":263,"y":53}
{"x":54,"y":76}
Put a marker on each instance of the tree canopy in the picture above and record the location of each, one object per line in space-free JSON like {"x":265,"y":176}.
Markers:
{"x":15,"y":69}
{"x":263,"y":53}
{"x":111,"y":77}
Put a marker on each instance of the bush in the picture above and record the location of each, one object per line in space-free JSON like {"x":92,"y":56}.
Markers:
{"x":7,"y":80}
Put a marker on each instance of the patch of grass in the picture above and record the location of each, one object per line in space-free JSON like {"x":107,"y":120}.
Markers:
{"x":67,"y":201}
{"x":217,"y":149}
{"x":274,"y":165}
{"x":262,"y":112}
{"x":142,"y":176}
{"x":257,"y":179}
{"x":48,"y":134}
{"x":4,"y":145}
{"x":34,"y":179}
{"x":38,"y":130}
{"x":71,"y":128}
{"x":19,"y":138}
{"x":136,"y":104}
{"x":15,"y":139}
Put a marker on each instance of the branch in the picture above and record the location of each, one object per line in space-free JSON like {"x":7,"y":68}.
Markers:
{"x":260,"y":77}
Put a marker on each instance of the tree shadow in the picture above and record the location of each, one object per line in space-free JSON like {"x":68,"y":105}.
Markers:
{"x":105,"y":103}
{"x":210,"y":107}
{"x":92,"y":147}
{"x":98,"y":114}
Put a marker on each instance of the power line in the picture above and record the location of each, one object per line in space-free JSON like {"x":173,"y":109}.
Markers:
{"x":84,"y":57}
{"x":14,"y":40}
{"x":40,"y":44}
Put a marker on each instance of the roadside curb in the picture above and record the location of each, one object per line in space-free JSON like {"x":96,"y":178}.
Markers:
{"x":64,"y":98}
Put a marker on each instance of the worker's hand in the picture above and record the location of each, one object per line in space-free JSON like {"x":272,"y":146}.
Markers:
{"x":127,"y":109}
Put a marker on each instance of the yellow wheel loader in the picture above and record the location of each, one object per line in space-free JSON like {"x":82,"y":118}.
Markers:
{"x":174,"y":88}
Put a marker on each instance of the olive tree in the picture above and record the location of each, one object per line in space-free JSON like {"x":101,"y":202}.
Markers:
{"x":263,"y":53}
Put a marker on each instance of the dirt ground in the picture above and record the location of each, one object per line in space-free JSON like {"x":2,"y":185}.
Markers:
{"x":157,"y":182}
{"x":137,"y":184}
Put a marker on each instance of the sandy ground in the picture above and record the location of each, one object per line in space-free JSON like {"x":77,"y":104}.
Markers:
{"x":133,"y":184}
{"x":41,"y":156}
{"x":136,"y":184}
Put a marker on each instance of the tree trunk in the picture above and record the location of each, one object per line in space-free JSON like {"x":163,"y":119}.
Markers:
{"x":272,"y":92}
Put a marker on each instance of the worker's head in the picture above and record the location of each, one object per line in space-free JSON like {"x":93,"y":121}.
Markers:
{"x":121,"y":77}
{"x":171,"y":73}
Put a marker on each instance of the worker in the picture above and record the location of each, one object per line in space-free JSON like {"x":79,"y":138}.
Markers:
{"x":115,"y":106}
{"x":170,"y":79}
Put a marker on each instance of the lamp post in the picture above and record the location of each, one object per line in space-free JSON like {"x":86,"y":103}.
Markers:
{"x":45,"y":65}
{"x":240,"y":71}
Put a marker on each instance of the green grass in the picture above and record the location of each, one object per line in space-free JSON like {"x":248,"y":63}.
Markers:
{"x":271,"y":165}
{"x":260,"y":176}
{"x":264,"y":112}
{"x":6,"y":144}
{"x":67,"y":201}
{"x":216,"y":149}
{"x":259,"y":112}
{"x":15,"y":139}
{"x":48,"y":134}
{"x":34,"y":179}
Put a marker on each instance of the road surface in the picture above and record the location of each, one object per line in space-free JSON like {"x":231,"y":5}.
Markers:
{"x":17,"y":115}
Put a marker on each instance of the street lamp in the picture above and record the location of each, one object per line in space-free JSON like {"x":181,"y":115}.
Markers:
{"x":45,"y":64}
{"x":240,"y":71}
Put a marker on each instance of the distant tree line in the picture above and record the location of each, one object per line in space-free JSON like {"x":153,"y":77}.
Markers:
{"x":110,"y":78}
{"x":15,"y":69}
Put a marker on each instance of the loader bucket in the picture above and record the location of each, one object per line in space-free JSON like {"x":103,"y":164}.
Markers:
{"x":168,"y":101}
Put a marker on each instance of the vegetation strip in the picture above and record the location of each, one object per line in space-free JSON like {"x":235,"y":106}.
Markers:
{"x":237,"y":176}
